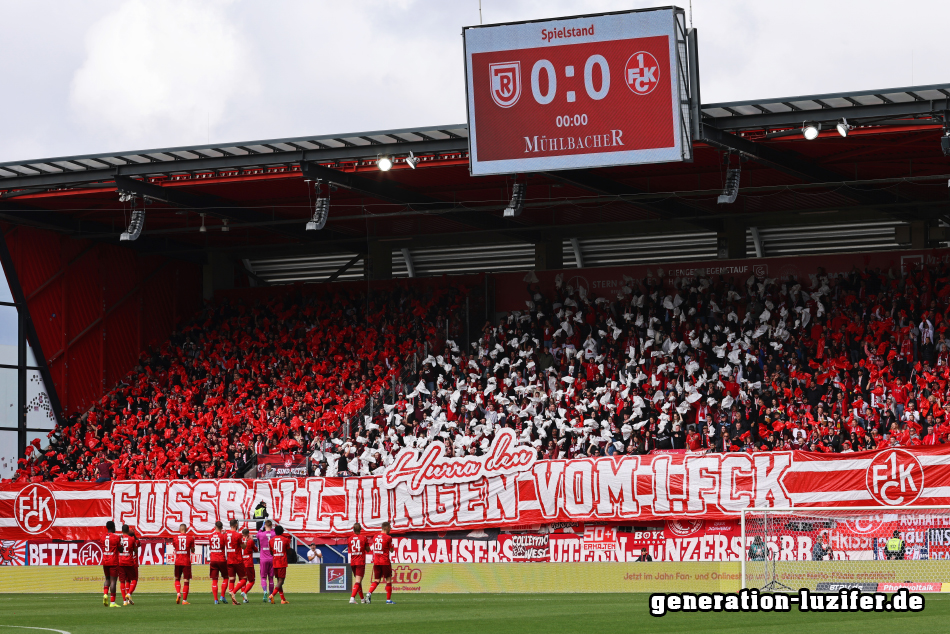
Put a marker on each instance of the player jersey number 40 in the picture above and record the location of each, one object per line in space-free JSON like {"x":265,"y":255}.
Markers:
{"x":280,"y":545}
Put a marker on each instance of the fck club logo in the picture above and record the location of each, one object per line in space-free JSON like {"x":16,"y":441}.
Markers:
{"x":642,"y":73}
{"x":35,"y":509}
{"x":684,"y":528}
{"x":90,"y":554}
{"x":895,"y":477}
{"x":505,"y":83}
{"x":866,"y":525}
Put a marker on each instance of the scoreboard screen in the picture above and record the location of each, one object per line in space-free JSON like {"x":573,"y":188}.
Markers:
{"x":580,"y":92}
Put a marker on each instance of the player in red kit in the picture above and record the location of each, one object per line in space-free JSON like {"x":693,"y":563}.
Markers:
{"x":128,"y":546}
{"x":358,"y":547}
{"x":279,"y":547}
{"x":219,"y":565}
{"x":135,"y":565}
{"x":382,"y":545}
{"x":248,"y":548}
{"x":232,"y":548}
{"x":110,"y":564}
{"x":184,"y":546}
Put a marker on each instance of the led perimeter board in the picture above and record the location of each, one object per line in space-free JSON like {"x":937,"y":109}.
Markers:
{"x":580,"y":92}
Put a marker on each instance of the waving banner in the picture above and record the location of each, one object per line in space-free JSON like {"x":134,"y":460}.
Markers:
{"x":506,"y":488}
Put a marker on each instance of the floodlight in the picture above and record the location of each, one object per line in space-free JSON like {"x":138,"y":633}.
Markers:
{"x":203,"y":228}
{"x":384,"y":163}
{"x":810,"y":130}
{"x":843,"y":127}
{"x":412,"y":161}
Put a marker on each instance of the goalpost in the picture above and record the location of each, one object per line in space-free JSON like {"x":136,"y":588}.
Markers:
{"x":870,"y":548}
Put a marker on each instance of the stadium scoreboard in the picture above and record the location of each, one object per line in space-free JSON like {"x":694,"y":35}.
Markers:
{"x":579,"y":92}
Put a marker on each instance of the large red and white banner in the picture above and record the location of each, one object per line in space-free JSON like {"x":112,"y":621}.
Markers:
{"x":581,"y":92}
{"x":507,"y":488}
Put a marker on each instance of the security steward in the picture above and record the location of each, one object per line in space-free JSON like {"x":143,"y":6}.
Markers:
{"x":894,"y":548}
{"x":260,"y":514}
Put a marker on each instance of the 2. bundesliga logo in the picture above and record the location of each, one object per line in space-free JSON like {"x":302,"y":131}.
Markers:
{"x":35,"y":509}
{"x":895,"y":477}
{"x":336,"y":578}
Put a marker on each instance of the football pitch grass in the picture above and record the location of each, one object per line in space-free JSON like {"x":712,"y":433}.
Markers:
{"x":425,"y":613}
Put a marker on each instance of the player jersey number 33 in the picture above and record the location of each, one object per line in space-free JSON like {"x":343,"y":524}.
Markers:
{"x":216,"y":548}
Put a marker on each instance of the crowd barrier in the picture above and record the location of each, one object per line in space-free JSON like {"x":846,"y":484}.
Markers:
{"x":415,"y":578}
{"x":515,"y":578}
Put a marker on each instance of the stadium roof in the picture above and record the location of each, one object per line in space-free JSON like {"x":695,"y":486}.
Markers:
{"x":889,"y":170}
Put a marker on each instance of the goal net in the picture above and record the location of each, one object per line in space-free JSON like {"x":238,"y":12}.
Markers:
{"x":826,"y":550}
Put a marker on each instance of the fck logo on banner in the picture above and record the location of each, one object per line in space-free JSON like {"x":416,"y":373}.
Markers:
{"x":35,"y":509}
{"x":895,"y":477}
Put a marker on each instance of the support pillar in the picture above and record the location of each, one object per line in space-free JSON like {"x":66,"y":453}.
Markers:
{"x":918,"y":235}
{"x":549,"y":255}
{"x":378,"y":264}
{"x":730,"y":240}
{"x":218,"y":274}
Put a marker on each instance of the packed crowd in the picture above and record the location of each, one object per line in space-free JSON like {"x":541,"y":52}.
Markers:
{"x":830,"y":363}
{"x":840,"y":363}
{"x":281,"y":376}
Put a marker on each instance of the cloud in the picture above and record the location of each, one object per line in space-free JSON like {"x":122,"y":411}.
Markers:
{"x":106,"y":76}
{"x":160,"y":72}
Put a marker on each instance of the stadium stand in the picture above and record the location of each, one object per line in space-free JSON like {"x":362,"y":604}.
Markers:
{"x":832,"y":364}
{"x":238,"y":380}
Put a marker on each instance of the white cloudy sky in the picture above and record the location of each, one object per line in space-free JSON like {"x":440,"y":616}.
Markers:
{"x":97,"y":75}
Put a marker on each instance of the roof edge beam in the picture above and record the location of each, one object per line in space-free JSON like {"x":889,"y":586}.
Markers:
{"x":851,"y":113}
